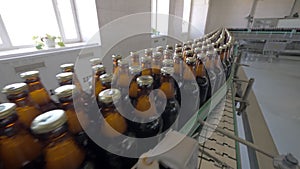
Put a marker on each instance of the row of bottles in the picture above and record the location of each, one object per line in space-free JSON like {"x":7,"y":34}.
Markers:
{"x":144,"y":97}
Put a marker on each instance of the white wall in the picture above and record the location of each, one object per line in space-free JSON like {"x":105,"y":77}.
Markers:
{"x":199,"y":16}
{"x":232,"y":13}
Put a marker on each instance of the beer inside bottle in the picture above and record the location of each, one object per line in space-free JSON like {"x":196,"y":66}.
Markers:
{"x":26,"y":109}
{"x":60,"y":150}
{"x":202,"y":81}
{"x":18,"y":149}
{"x":37,"y":91}
{"x":156,"y":65}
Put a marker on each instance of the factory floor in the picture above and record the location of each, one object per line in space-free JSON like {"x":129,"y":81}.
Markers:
{"x":277,"y":88}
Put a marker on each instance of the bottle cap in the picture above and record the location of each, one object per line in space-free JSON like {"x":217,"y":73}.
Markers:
{"x":157,"y":55}
{"x":135,"y":69}
{"x":144,"y":80}
{"x":134,"y":54}
{"x":169,"y":47}
{"x":7,"y":109}
{"x":210,"y":52}
{"x":190,"y":60}
{"x":116,"y":57}
{"x":98,"y":68}
{"x":177,"y":45}
{"x":64,"y":91}
{"x":148,"y":51}
{"x":188,"y":53}
{"x":167,"y":70}
{"x":15,"y":88}
{"x":66,"y":66}
{"x":65,"y":76}
{"x":178,"y":50}
{"x":109,"y":95}
{"x":106,"y":78}
{"x":168,"y":62}
{"x":159,"y":49}
{"x":95,"y":61}
{"x":177,"y":55}
{"x":168,"y":52}
{"x":48,"y":121}
{"x":30,"y":74}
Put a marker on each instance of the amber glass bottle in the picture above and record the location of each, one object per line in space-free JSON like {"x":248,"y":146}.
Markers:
{"x":135,"y":58}
{"x":112,"y":129}
{"x":168,"y":63}
{"x":95,"y":61}
{"x":168,"y":89}
{"x":65,"y":95}
{"x":106,"y":80}
{"x":168,"y":54}
{"x":27,"y":110}
{"x":159,"y":49}
{"x":98,"y":70}
{"x":148,"y":52}
{"x":135,"y":72}
{"x":209,"y":64}
{"x":123,"y":80}
{"x":18,"y":149}
{"x":65,"y":78}
{"x":178,"y":74}
{"x":60,"y":149}
{"x":227,"y":60}
{"x":156,"y":65}
{"x":146,"y":121}
{"x":170,"y":48}
{"x":189,"y":91}
{"x":115,"y":59}
{"x":221,"y":52}
{"x":202,"y":80}
{"x":37,"y":91}
{"x":146,"y":66}
{"x":67,"y":67}
{"x":187,"y":54}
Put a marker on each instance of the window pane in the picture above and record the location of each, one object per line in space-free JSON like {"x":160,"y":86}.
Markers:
{"x":163,"y":16}
{"x":24,"y":19}
{"x":153,"y":15}
{"x":186,"y":15}
{"x":67,"y":18}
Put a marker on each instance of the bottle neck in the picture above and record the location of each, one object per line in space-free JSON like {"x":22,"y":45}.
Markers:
{"x":189,"y":73}
{"x":34,"y":84}
{"x":55,"y":136}
{"x":21,"y":99}
{"x":9,"y":126}
{"x":200,"y":70}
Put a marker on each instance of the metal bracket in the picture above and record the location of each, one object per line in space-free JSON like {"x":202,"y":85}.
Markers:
{"x":243,"y":100}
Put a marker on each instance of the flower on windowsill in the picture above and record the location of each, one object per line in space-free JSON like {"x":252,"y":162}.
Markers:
{"x":48,"y":40}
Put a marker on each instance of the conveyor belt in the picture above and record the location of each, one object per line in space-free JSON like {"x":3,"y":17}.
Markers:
{"x":216,"y":150}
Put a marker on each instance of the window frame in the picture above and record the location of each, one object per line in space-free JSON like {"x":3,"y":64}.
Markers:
{"x":7,"y":44}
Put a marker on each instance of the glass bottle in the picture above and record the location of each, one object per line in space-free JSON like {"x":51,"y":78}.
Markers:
{"x":168,"y":54}
{"x":222,"y":53}
{"x":98,"y":70}
{"x":112,"y":129}
{"x":178,"y":74}
{"x":106,"y":80}
{"x":218,"y":69}
{"x":18,"y":149}
{"x":37,"y":91}
{"x":65,"y":96}
{"x":26,"y":109}
{"x":145,"y":119}
{"x":168,"y":63}
{"x":171,"y":109}
{"x":202,"y":80}
{"x":135,"y":58}
{"x":178,"y":50}
{"x":159,"y":49}
{"x":189,"y":91}
{"x":135,"y":72}
{"x":115,"y":59}
{"x":156,"y":65}
{"x":122,"y":83}
{"x":146,"y":66}
{"x":67,"y":67}
{"x":186,"y":54}
{"x":95,"y":61}
{"x":64,"y":78}
{"x":209,"y":65}
{"x":148,"y":52}
{"x":228,"y":61}
{"x":170,"y":48}
{"x":60,"y":149}
{"x":177,"y":45}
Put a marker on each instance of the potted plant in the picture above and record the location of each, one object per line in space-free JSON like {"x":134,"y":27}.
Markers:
{"x":48,"y":40}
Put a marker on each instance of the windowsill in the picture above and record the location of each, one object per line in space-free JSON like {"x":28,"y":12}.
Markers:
{"x":23,"y":52}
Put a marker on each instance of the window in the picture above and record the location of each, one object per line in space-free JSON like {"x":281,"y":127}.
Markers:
{"x":186,"y":15}
{"x":160,"y":16}
{"x":21,"y":20}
